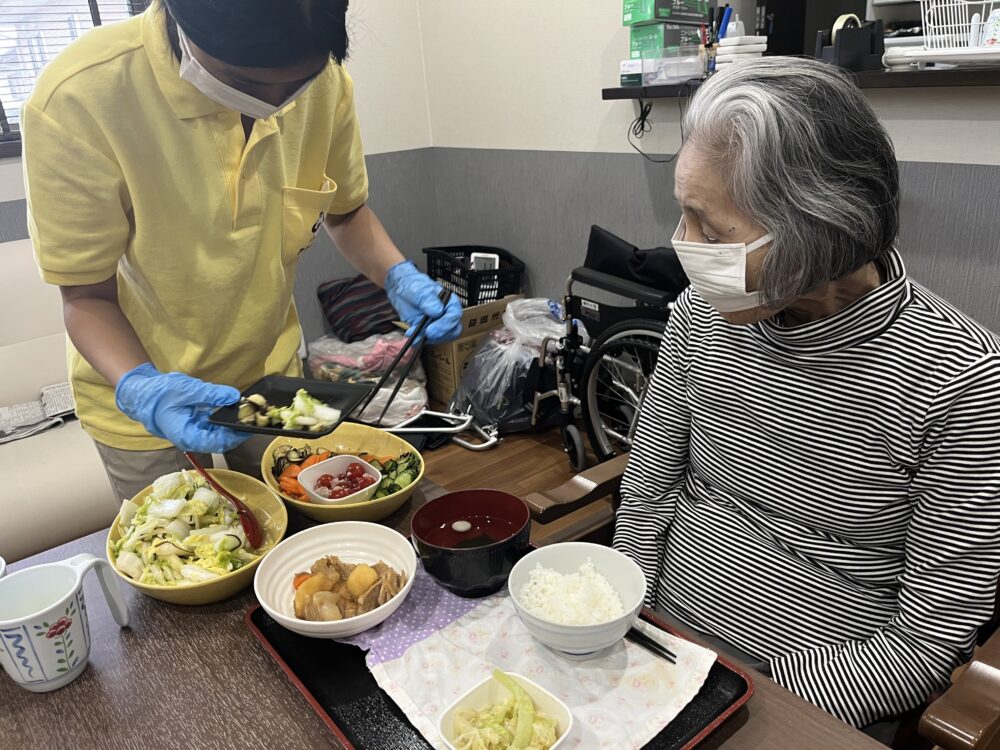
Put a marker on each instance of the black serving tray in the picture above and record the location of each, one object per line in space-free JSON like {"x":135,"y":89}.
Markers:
{"x":279,"y":391}
{"x":335,"y":680}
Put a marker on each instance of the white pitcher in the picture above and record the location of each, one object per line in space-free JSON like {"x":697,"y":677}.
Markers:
{"x":44,"y":634}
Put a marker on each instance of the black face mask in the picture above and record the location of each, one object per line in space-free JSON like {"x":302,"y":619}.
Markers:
{"x":264,"y":33}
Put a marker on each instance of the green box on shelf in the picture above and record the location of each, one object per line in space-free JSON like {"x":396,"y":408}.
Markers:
{"x":676,"y":11}
{"x":657,"y":36}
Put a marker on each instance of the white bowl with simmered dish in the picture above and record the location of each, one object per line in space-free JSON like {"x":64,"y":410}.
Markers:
{"x":334,"y":597}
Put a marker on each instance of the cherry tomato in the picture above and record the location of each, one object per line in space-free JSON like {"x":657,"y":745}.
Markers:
{"x":352,"y":480}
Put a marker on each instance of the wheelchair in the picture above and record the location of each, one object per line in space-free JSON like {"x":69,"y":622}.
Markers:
{"x":603,"y":381}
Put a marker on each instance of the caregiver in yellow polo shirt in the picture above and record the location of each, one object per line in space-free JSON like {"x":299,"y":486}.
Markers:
{"x":177,"y":165}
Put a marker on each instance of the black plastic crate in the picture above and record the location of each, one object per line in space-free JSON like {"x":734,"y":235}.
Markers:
{"x":450,"y":266}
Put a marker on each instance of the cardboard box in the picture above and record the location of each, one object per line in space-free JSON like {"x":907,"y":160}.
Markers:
{"x":652,"y":38}
{"x":445,"y":363}
{"x":676,"y":11}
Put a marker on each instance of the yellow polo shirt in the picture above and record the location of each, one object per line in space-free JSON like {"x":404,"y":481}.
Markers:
{"x":132,"y":172}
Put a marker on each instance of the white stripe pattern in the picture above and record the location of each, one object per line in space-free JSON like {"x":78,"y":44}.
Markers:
{"x":825,"y":497}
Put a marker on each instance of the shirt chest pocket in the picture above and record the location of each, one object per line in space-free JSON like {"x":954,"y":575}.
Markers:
{"x":303,"y":213}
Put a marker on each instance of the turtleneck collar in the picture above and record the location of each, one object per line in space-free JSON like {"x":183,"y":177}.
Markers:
{"x":862,"y":320}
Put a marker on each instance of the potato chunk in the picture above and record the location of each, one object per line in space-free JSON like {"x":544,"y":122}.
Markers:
{"x":323,"y":607}
{"x":362,"y":578}
{"x":305,"y":591}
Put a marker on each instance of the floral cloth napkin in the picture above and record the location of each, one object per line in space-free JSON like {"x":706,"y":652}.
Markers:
{"x":437,"y":646}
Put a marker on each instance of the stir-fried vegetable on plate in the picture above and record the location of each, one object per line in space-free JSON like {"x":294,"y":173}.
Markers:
{"x":304,"y":413}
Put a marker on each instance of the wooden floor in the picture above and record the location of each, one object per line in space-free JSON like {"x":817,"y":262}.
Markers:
{"x":520,"y":465}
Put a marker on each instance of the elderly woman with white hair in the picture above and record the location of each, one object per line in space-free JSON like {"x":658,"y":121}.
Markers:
{"x":815,"y":477}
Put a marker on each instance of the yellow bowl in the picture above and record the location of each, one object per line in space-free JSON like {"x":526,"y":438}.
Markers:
{"x":347,"y":438}
{"x":272,"y":517}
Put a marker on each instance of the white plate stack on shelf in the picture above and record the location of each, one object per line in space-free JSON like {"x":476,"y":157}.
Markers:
{"x":735,"y":50}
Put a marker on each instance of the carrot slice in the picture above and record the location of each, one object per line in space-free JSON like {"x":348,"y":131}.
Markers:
{"x":291,"y":487}
{"x":300,"y":578}
{"x":315,"y":458}
{"x":291,"y":471}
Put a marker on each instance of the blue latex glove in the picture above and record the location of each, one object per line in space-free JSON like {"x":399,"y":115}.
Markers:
{"x":175,"y":407}
{"x":414,"y":294}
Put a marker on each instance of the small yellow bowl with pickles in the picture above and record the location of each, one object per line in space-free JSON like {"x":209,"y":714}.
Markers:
{"x":350,"y":439}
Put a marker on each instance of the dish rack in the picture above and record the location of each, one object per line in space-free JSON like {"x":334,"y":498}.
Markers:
{"x":951,"y":35}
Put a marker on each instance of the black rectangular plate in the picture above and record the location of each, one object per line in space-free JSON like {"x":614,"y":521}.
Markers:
{"x":280,"y":390}
{"x":335,"y":680}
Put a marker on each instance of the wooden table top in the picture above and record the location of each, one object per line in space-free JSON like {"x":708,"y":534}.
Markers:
{"x":196,"y":677}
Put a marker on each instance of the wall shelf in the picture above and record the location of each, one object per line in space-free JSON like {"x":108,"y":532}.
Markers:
{"x":875,"y":79}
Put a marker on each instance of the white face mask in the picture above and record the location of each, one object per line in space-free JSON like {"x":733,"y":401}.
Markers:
{"x":718,"y":271}
{"x":194,"y":73}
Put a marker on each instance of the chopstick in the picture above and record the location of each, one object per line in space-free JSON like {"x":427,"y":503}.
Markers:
{"x":655,"y":647}
{"x":444,"y":295}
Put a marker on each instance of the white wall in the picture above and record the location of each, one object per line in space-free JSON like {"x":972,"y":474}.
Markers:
{"x":530,"y":77}
{"x":949,"y":125}
{"x":387,"y":64}
{"x":461,"y":73}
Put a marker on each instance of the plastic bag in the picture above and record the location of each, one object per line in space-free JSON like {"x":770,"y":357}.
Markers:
{"x":531,"y":320}
{"x":411,"y":399}
{"x":494,"y":386}
{"x":366,"y":362}
{"x":361,"y":362}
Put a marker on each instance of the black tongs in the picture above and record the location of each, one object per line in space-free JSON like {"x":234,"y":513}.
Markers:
{"x":415,"y":340}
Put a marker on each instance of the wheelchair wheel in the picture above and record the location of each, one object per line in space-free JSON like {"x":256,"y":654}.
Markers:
{"x":616,"y":374}
{"x":575,"y":450}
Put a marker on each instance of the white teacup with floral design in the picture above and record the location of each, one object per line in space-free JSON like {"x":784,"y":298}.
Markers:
{"x":44,"y":634}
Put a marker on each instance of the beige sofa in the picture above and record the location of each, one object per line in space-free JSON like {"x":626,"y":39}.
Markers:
{"x":52,"y":485}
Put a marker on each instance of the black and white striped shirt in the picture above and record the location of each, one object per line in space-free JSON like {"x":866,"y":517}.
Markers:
{"x":825,"y":497}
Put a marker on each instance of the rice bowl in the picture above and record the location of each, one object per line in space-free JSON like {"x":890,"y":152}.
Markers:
{"x":580,"y":641}
{"x":582,"y":598}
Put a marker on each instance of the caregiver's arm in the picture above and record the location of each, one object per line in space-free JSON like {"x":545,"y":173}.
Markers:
{"x":363,"y":241}
{"x":353,"y":226}
{"x":949,"y":583}
{"x":79,"y":224}
{"x":659,"y":455}
{"x":99,"y":329}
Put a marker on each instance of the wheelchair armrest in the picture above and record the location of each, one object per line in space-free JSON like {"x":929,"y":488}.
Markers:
{"x":593,"y":484}
{"x":967,"y":716}
{"x":640,"y":293}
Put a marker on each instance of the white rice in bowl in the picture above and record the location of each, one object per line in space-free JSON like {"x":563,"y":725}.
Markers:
{"x":581,"y":598}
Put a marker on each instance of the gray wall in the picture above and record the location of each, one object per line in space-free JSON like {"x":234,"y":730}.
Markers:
{"x":401,"y":193}
{"x":540,"y":205}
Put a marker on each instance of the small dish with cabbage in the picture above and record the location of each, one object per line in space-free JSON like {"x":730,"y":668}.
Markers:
{"x":506,"y":711}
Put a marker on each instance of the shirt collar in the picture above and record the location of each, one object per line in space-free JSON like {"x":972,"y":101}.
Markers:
{"x":185,"y":100}
{"x":862,"y":320}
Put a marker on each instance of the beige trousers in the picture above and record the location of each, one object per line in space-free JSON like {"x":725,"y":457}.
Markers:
{"x":132,"y":471}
